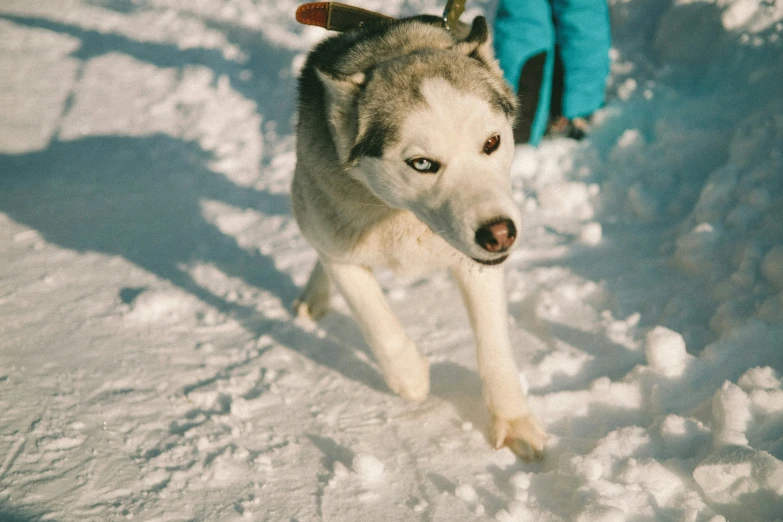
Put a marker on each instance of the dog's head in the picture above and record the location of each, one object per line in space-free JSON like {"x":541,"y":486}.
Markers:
{"x":430,"y":131}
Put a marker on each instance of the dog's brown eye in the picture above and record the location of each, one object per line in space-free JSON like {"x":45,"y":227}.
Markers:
{"x":424,"y":165}
{"x":492,"y":144}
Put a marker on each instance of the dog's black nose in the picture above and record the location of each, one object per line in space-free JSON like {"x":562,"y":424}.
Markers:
{"x":497,"y":236}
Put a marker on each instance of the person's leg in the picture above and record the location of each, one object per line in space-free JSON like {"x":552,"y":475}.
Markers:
{"x":559,"y":125}
{"x":524,"y":43}
{"x":583,"y":40}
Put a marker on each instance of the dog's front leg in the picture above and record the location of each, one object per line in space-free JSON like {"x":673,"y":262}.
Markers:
{"x":314,"y":301}
{"x":405,"y":370}
{"x":513,"y":425}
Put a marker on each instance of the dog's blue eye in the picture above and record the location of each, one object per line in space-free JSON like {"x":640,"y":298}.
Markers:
{"x":423,"y":165}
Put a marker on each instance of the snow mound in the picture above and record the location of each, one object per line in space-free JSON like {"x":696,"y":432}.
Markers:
{"x":166,"y":306}
{"x":742,"y":483}
{"x":368,"y":467}
{"x":665,"y":351}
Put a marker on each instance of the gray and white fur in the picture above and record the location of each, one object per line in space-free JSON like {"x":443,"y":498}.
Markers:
{"x":404,"y":148}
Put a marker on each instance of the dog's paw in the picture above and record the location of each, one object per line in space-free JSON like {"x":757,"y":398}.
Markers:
{"x":411,"y":380}
{"x":312,"y":308}
{"x":523,"y":435}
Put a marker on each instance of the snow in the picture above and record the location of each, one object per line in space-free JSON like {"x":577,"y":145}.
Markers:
{"x":591,"y":234}
{"x":744,"y":483}
{"x":665,"y":351}
{"x":369,"y":468}
{"x":151,"y":369}
{"x":466,"y":493}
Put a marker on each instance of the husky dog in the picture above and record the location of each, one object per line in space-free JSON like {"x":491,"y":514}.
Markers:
{"x":404,"y":147}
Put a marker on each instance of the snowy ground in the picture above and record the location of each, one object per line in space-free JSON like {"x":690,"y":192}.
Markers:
{"x":150,"y":368}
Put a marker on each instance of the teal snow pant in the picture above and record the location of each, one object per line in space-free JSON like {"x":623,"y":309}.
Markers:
{"x":555,"y":53}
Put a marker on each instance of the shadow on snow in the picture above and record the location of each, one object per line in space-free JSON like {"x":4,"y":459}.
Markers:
{"x":139,"y":198}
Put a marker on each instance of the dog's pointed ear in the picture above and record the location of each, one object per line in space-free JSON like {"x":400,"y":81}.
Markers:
{"x":340,"y":97}
{"x":341,"y":87}
{"x":478,"y":43}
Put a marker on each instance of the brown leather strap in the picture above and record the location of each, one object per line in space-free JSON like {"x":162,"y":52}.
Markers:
{"x":336,"y":16}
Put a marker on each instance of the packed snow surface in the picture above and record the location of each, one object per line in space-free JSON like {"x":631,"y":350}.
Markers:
{"x":151,"y":369}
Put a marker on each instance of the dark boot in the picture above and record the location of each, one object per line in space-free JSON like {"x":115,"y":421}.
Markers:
{"x":575,"y":128}
{"x":529,"y":91}
{"x":559,"y":125}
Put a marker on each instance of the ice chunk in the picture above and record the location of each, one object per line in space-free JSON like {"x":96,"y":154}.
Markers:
{"x":466,"y":493}
{"x":742,"y":484}
{"x":630,"y":138}
{"x":665,"y":351}
{"x":762,"y":378}
{"x":626,"y":89}
{"x":369,"y":468}
{"x":591,"y":234}
{"x":581,"y":466}
{"x":731,"y":414}
{"x":164,"y":306}
{"x":520,"y":480}
{"x":739,"y":13}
